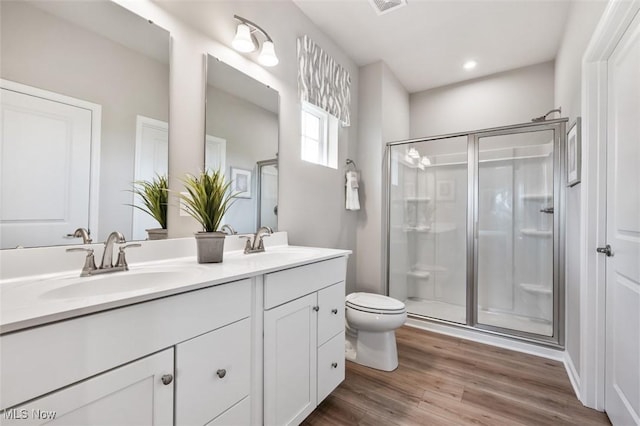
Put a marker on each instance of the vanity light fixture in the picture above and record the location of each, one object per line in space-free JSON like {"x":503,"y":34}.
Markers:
{"x":245,"y":41}
{"x":469,"y":65}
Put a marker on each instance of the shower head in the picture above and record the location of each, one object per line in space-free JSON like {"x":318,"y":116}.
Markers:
{"x":544,"y":117}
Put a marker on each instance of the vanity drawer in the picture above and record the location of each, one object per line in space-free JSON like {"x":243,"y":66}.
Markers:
{"x":330,"y":312}
{"x":85,"y":346}
{"x":238,"y":415}
{"x":330,"y":366}
{"x":283,"y":286}
{"x":212,"y":373}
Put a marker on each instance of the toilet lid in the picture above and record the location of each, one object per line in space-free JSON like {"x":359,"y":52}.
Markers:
{"x":373,"y":301}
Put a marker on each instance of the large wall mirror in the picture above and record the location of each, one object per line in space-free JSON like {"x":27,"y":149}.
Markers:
{"x":85,"y":110}
{"x":242,"y":141}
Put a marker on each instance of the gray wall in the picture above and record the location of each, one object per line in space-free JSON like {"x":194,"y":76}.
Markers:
{"x":583,"y":18}
{"x":251,"y":133}
{"x":384,"y":117}
{"x":311,"y":197}
{"x":509,"y":97}
{"x":44,"y":51}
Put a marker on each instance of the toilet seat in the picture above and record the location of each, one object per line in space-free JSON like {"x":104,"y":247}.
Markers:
{"x":375,"y":304}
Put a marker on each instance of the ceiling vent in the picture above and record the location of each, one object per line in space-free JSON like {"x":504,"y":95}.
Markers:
{"x":384,"y":6}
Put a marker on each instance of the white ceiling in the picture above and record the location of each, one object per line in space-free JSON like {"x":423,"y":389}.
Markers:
{"x":426,"y":42}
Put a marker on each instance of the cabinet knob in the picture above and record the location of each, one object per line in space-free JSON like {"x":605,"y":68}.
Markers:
{"x":316,"y":308}
{"x":167,"y":379}
{"x":221,"y":373}
{"x":334,"y":311}
{"x":334,"y":365}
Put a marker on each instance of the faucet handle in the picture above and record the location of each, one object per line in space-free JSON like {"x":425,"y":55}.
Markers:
{"x":89,"y":261}
{"x":260,"y":242}
{"x":121,"y":262}
{"x":247,"y":246}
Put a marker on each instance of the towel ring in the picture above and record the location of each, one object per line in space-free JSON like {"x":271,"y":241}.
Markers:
{"x":352,"y":163}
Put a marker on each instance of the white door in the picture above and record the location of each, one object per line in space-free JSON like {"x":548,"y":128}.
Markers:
{"x":133,"y":394}
{"x":215,"y":153}
{"x":152,"y":158}
{"x":290,"y":360}
{"x":622,"y":391}
{"x":45,"y":165}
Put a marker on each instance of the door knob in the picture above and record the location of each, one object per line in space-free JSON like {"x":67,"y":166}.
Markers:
{"x":334,"y":311}
{"x":334,"y":365}
{"x":548,"y":210}
{"x":167,"y":379}
{"x":316,"y":308}
{"x":605,"y":250}
{"x":221,"y":373}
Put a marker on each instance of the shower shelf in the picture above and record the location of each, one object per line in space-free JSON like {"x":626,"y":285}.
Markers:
{"x":416,"y":228}
{"x":536,"y":233}
{"x":536,"y":288}
{"x":536,"y":197}
{"x":419,"y":274}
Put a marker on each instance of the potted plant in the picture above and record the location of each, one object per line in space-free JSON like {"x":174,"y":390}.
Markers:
{"x":154,"y":195}
{"x":207,"y":199}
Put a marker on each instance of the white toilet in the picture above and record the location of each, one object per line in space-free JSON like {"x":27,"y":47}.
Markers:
{"x":371,"y":323}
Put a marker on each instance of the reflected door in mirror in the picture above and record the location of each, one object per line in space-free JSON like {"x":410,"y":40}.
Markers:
{"x":46,"y":162}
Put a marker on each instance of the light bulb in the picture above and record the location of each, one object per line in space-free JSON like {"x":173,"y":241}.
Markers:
{"x":242,"y":42}
{"x":268,"y":56}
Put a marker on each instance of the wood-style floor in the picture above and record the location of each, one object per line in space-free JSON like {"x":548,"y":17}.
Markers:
{"x":443,"y":380}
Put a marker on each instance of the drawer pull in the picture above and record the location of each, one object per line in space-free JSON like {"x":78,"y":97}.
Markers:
{"x":334,"y":311}
{"x":316,"y":308}
{"x":221,"y":373}
{"x":167,"y":379}
{"x":334,"y":365}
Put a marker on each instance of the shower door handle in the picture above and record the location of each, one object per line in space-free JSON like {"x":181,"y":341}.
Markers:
{"x":548,"y":210}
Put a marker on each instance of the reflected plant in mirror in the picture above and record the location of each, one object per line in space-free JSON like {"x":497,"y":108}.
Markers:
{"x":85,"y":103}
{"x":242,"y":130}
{"x":154,"y":197}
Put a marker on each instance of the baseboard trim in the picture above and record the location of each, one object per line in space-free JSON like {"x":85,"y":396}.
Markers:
{"x":574,"y":377}
{"x":489,"y":339}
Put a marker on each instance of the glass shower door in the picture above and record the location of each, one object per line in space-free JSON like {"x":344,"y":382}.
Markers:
{"x":515,"y":229}
{"x":428,"y":227}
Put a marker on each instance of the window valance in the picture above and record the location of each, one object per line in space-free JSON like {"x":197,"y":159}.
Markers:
{"x":322,"y":81}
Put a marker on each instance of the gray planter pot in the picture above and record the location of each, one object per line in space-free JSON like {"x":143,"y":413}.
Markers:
{"x":210,"y":246}
{"x":156,"y":234}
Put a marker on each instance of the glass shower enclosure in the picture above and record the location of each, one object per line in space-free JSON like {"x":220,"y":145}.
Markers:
{"x":475,"y":229}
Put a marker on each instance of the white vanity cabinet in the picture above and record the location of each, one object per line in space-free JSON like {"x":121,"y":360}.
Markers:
{"x":257,"y":340}
{"x":139,"y":393}
{"x":303,"y":339}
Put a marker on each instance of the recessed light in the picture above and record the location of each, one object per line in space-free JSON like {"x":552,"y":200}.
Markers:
{"x":469,"y":65}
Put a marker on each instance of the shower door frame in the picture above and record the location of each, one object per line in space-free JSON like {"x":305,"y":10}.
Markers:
{"x":558,"y":127}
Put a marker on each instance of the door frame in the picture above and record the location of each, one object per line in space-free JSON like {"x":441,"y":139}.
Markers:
{"x":593,"y":205}
{"x":96,"y":132}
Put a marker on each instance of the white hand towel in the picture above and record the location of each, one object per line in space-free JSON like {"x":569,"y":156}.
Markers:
{"x":352,"y":199}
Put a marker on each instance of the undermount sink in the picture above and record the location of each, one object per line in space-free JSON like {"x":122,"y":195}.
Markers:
{"x":119,"y":282}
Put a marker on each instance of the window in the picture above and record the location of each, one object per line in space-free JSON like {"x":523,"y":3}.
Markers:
{"x":319,"y":138}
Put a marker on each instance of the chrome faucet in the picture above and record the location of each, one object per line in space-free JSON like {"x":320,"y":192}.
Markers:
{"x":107,"y":254}
{"x":258,"y":244}
{"x":90,"y":267}
{"x":228,"y":229}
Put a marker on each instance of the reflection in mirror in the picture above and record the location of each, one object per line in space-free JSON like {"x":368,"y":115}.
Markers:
{"x":268,"y":193}
{"x":242,"y":140}
{"x":85,"y":107}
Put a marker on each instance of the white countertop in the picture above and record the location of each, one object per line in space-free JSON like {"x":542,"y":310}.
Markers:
{"x":38,"y":300}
